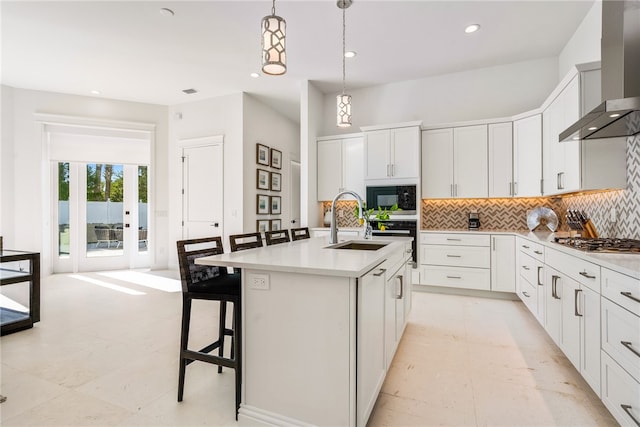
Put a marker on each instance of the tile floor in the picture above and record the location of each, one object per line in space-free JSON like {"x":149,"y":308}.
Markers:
{"x":105,"y":354}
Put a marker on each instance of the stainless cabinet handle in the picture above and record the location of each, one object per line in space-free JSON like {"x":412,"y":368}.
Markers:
{"x":393,"y":170}
{"x":387,"y":169}
{"x":515,"y":188}
{"x":511,"y":188}
{"x":525,"y":246}
{"x":554,"y":286}
{"x":525,"y":294}
{"x":454,"y":277}
{"x":539,"y":270}
{"x":455,"y":190}
{"x":401,"y":287}
{"x":453,"y":240}
{"x":575,"y":302}
{"x":451,"y":190}
{"x":453,"y":256}
{"x":380,"y":272}
{"x":627,"y":409}
{"x":631,"y":297}
{"x":493,"y":240}
{"x":558,"y":181}
{"x":587,"y":275}
{"x":526,"y":267}
{"x":537,"y":252}
{"x":629,"y":346}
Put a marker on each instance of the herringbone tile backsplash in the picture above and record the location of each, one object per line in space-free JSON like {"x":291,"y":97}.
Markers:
{"x":511,"y":214}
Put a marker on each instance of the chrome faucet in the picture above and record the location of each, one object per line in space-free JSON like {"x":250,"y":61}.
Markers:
{"x":334,"y":228}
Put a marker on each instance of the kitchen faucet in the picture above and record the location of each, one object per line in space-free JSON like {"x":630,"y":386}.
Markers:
{"x":334,"y":229}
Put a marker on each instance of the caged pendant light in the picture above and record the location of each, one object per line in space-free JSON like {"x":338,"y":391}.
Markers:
{"x":343,"y":100}
{"x":274,"y":56}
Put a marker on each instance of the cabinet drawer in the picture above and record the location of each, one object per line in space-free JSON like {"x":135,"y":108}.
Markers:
{"x":533,"y":249}
{"x":620,"y":392}
{"x":457,"y":277}
{"x":621,"y":289}
{"x":578,"y":269}
{"x":528,"y":293}
{"x":457,"y":256}
{"x":531,"y":269}
{"x":621,"y":336}
{"x":461,"y":239}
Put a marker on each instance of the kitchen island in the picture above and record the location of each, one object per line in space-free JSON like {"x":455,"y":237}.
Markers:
{"x":320,"y":325}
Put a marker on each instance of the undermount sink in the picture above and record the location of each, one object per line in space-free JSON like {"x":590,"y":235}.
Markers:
{"x":358,"y":246}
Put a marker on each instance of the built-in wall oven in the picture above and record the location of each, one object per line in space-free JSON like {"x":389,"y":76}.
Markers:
{"x":404,"y":228}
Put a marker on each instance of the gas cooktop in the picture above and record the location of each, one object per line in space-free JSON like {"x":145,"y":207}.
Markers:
{"x":601,"y":245}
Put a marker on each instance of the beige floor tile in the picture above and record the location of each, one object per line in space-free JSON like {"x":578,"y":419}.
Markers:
{"x":394,"y":411}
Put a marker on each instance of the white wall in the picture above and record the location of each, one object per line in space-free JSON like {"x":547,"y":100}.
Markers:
{"x":584,"y":45}
{"x":484,"y":93}
{"x":6,"y":167}
{"x":210,"y":117}
{"x":262,"y":124}
{"x":25,"y":196}
{"x":311,"y":119}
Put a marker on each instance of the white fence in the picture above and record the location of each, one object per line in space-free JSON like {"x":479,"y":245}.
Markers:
{"x":103,"y":213}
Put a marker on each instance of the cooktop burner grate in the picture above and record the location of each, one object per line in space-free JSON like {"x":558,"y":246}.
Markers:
{"x":610,"y":245}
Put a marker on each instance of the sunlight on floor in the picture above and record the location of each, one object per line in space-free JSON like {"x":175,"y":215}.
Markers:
{"x":107,"y":285}
{"x":145,"y":279}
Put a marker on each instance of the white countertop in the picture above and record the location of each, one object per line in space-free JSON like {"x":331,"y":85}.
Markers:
{"x":628,"y":264}
{"x":310,"y":256}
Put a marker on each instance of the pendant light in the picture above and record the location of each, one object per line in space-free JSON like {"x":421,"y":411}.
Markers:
{"x":343,"y":101}
{"x":274,"y":57}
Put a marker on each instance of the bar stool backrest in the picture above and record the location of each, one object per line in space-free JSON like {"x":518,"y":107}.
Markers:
{"x":300,"y":233}
{"x":240,"y":242}
{"x":275,"y":237}
{"x":188,"y":251}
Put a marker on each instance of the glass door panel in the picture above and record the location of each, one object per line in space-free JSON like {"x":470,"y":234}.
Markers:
{"x":64,"y":230}
{"x":143,"y":216}
{"x":104,"y":210}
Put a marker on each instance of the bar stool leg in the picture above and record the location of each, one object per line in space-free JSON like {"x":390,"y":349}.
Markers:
{"x":221,"y":328}
{"x":184,"y":340}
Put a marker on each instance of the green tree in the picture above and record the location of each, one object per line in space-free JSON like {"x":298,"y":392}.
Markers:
{"x":63,"y":181}
{"x":142,"y":184}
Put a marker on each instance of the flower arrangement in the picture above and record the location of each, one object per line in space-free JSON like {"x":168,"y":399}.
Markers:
{"x":382,"y":215}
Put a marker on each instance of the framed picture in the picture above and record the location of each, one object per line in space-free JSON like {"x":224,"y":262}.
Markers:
{"x":276,"y":181}
{"x":276,"y":224}
{"x":262,"y":154}
{"x":276,"y":205}
{"x":262,"y":204}
{"x":276,"y":158}
{"x":262,"y":179}
{"x":262,"y":225}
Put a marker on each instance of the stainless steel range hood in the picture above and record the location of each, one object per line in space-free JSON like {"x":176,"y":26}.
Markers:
{"x":619,"y":114}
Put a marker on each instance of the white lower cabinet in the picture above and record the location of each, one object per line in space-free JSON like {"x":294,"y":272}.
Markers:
{"x":503,"y":263}
{"x":580,"y":312}
{"x":620,"y":392}
{"x":397,"y":306}
{"x":531,"y":281}
{"x":456,"y":260}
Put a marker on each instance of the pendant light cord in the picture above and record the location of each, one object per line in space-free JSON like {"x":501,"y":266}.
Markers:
{"x":343,"y":49}
{"x":273,"y":8}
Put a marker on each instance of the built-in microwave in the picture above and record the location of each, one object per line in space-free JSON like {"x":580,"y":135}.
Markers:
{"x":386,"y":196}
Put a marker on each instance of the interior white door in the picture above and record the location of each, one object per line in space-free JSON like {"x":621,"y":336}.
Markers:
{"x":202,"y":191}
{"x":295,"y":193}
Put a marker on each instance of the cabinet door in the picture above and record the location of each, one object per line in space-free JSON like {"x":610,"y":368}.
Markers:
{"x":405,"y":152}
{"x":377,"y":152}
{"x":500,"y":159}
{"x":353,"y":165}
{"x":503,"y":263}
{"x":570,"y":337}
{"x":553,"y":305}
{"x":470,"y":162}
{"x":437,"y":163}
{"x":570,"y":170}
{"x":589,"y":308}
{"x":552,"y":156}
{"x":527,"y":155}
{"x":329,"y":169}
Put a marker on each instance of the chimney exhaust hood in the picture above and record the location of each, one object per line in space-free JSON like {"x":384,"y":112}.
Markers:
{"x":619,"y":114}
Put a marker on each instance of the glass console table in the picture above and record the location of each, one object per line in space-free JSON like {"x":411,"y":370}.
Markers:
{"x":19,"y":290}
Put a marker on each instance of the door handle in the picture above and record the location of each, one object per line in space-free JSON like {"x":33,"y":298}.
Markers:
{"x":539,"y":270}
{"x":575,"y":303}
{"x":401,"y":287}
{"x":380,"y":272}
{"x":554,"y":286}
{"x":127,"y":226}
{"x":587,"y":275}
{"x":629,"y":346}
{"x":627,"y":409}
{"x":631,"y":297}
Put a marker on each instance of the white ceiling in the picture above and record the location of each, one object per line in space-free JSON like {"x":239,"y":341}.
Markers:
{"x":129,"y":51}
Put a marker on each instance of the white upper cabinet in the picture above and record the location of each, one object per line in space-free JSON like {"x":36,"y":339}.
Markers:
{"x":579,"y":165}
{"x":340,"y":166}
{"x":392,"y":153}
{"x":501,"y":160}
{"x":455,"y":163}
{"x":527,"y":156}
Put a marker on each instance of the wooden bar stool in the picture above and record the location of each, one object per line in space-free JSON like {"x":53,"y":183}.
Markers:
{"x":240,"y":242}
{"x":215,"y":284}
{"x":300,"y":233}
{"x":275,"y":237}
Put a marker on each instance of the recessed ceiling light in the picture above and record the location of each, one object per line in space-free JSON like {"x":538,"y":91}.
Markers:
{"x":95,"y":92}
{"x":350,"y":54}
{"x":593,"y":128}
{"x":189,"y":91}
{"x":254,"y":75}
{"x":614,"y":115}
{"x":472,"y":28}
{"x":165,"y":11}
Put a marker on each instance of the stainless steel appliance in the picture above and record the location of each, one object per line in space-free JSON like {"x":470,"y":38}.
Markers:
{"x":399,"y":228}
{"x":474,"y":221}
{"x":386,"y":196}
{"x":601,"y":245}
